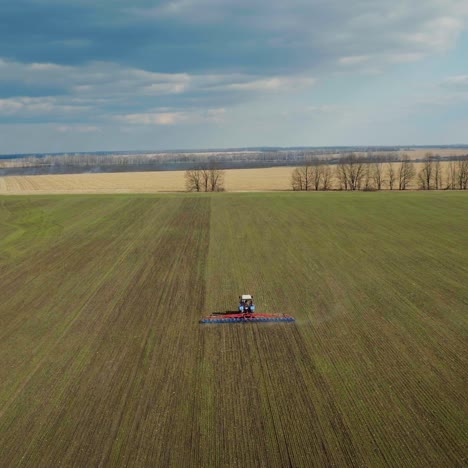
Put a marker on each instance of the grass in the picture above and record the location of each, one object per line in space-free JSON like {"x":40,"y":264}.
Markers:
{"x":104,"y":362}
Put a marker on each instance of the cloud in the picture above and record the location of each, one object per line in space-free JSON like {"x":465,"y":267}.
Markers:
{"x":172,"y":118}
{"x":259,"y":37}
{"x":193,"y":11}
{"x":108,"y":78}
{"x":215,"y":115}
{"x":43,"y":67}
{"x":457,"y":83}
{"x":94,"y":78}
{"x":449,"y":95}
{"x":325,"y":109}
{"x":101,"y":88}
{"x":78,"y":129}
{"x":28,"y":106}
{"x":320,"y":32}
{"x":436,"y":35}
{"x":161,"y":118}
{"x":353,"y":60}
{"x":404,"y":57}
{"x":174,"y":63}
{"x":271,"y":84}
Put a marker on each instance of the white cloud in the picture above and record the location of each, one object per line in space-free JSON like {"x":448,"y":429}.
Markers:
{"x":437,"y":35}
{"x":165,"y":117}
{"x":47,"y":67}
{"x":96,"y":86}
{"x":95,"y":78}
{"x":269,"y":84}
{"x":448,"y":94}
{"x":78,"y":129}
{"x":215,"y":115}
{"x":109,"y":79}
{"x":325,"y":38}
{"x":27,"y":106}
{"x":346,"y":31}
{"x":178,"y":85}
{"x":353,"y":60}
{"x":404,"y":57}
{"x":191,"y":11}
{"x":361,"y":62}
{"x":325,"y":108}
{"x":459,"y":82}
{"x":106,"y":79}
{"x":161,"y":118}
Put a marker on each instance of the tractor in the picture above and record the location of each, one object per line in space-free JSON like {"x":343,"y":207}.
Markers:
{"x":246,"y":304}
{"x":246,"y":312}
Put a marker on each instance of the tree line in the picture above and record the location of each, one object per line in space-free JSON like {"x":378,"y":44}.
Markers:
{"x":356,"y":172}
{"x":184,"y":160}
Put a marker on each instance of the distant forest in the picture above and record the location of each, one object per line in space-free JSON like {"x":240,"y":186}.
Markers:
{"x":169,"y":161}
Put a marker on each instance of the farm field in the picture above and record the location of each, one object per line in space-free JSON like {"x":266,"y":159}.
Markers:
{"x":103,"y":361}
{"x":141,"y":182}
{"x":236,"y":180}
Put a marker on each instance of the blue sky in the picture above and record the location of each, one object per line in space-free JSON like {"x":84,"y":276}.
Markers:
{"x":84,"y":75}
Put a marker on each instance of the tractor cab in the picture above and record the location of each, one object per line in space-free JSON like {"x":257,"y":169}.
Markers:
{"x":246,"y":304}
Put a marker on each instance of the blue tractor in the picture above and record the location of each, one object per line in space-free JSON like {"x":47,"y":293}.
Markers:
{"x":246,"y":304}
{"x":246,"y":313}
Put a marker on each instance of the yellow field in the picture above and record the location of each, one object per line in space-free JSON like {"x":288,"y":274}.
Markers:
{"x":142,"y":182}
{"x":236,"y":180}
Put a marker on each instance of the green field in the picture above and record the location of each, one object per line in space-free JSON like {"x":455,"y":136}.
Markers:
{"x":103,"y":362}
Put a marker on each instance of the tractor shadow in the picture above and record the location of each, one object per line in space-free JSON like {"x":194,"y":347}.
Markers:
{"x":226,"y":312}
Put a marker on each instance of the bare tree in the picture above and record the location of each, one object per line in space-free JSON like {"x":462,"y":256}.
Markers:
{"x":204,"y":179}
{"x":451,"y":176}
{"x":302,"y":177}
{"x":437,"y":175}
{"x":367,"y":177}
{"x":216,"y":179}
{"x":377,"y":174}
{"x":316,"y":173}
{"x":425,"y":175}
{"x":350,"y":171}
{"x":391,"y":175}
{"x":462,"y":174}
{"x":193,"y":180}
{"x":340,"y":172}
{"x":406,"y":172}
{"x":326,"y":177}
{"x":356,"y":166}
{"x":296,"y":180}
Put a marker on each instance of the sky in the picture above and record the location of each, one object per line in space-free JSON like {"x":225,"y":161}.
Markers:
{"x":95,"y":75}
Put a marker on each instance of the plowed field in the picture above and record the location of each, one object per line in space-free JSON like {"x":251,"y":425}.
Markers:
{"x":103,"y":362}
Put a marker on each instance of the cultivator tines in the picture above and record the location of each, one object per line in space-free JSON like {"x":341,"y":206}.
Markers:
{"x":246,"y":318}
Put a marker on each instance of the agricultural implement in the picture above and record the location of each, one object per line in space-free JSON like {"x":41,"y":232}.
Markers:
{"x":246,"y":313}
